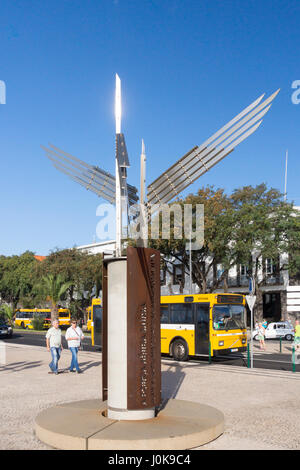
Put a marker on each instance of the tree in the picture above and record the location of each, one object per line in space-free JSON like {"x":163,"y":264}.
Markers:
{"x":265,"y":228}
{"x":17,"y":277}
{"x":20,"y":278}
{"x":83,"y":270}
{"x":8,"y":313}
{"x":218,"y":219}
{"x":250,"y":226}
{"x":53,"y":288}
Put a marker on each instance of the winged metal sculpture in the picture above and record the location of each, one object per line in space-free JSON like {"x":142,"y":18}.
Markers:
{"x":173,"y":181}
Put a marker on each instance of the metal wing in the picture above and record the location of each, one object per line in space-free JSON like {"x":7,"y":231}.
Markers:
{"x":200,"y":159}
{"x":91,"y":177}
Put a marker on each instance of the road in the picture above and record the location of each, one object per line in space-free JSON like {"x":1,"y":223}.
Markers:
{"x":271,"y":359}
{"x":38,"y":339}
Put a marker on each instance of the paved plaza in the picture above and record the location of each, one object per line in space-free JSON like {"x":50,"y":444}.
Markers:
{"x":261,"y":407}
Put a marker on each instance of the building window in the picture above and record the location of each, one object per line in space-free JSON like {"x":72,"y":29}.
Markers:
{"x":243,"y":270}
{"x":270,"y":267}
{"x":220,"y":271}
{"x":162,"y":277}
{"x":178,"y":274}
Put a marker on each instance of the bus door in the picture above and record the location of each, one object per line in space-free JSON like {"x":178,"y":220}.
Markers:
{"x":201,"y":328}
{"x":97,"y":320}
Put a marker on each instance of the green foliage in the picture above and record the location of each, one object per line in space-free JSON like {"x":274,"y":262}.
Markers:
{"x":52,"y":287}
{"x":253,"y":220}
{"x":82,"y":269}
{"x":218,"y":220}
{"x":17,"y":277}
{"x":38,"y":323}
{"x":7,"y":313}
{"x":26,"y":282}
{"x":266,"y":224}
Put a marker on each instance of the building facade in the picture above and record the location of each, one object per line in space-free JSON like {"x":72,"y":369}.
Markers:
{"x":279,"y":294}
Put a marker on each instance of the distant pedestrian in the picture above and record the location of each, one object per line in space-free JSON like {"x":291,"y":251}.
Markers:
{"x":261,"y":336}
{"x":297,"y":334}
{"x":54,"y":344}
{"x":74,"y":336}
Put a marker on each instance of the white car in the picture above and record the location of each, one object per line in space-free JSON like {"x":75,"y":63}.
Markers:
{"x":280,"y":329}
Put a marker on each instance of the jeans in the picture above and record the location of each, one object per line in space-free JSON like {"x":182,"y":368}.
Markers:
{"x":55,"y":353}
{"x":74,"y":362}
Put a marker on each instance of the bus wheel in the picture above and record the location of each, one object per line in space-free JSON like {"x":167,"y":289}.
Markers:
{"x":180,"y":350}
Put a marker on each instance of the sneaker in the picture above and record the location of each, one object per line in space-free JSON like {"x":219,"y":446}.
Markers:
{"x":71,"y":370}
{"x":79,"y":371}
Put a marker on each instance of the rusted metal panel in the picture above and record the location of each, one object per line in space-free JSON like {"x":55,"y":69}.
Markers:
{"x":143,"y":328}
{"x":104,"y":331}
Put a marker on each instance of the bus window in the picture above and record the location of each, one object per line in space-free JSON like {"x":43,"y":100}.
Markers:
{"x":202,"y":329}
{"x":228,"y":317}
{"x":43,"y":314}
{"x":97,"y":320}
{"x":25,"y":315}
{"x":164,"y":313}
{"x":181,"y":313}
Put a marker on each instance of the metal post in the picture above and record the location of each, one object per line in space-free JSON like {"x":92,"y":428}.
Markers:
{"x":118,"y":213}
{"x":251,"y":299}
{"x":293,"y":359}
{"x":190,"y":265}
{"x":280,"y":348}
{"x":251,"y":338}
{"x":118,"y":112}
{"x":143,"y":241}
{"x":248,"y":355}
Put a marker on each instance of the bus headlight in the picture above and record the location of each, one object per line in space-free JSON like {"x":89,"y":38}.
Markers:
{"x":244,"y":341}
{"x":221,"y":343}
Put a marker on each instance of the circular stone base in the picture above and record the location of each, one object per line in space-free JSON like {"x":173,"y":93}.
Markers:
{"x":83,"y":425}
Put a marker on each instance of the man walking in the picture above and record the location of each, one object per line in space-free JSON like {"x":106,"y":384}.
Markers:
{"x":54,"y":344}
{"x":74,"y":337}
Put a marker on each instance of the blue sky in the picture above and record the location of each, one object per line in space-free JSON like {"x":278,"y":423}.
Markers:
{"x":187,"y":67}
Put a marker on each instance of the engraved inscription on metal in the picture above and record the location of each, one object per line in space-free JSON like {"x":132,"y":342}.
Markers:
{"x":143,"y":328}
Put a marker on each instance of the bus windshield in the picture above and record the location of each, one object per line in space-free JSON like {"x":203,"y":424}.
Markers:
{"x":229,"y":317}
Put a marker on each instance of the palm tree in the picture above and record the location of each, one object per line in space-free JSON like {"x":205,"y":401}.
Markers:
{"x":8,"y":313}
{"x":53,"y":287}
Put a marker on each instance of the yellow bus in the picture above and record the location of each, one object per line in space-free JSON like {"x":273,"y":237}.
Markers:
{"x":24,"y":316}
{"x":196,"y":325}
{"x":202,"y":325}
{"x":94,"y":321}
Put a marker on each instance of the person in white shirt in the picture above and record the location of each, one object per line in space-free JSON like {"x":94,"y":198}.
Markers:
{"x":74,"y":336}
{"x":54,"y":344}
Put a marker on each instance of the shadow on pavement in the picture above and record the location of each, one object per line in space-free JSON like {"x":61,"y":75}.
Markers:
{"x":172,"y":380}
{"x":18,"y":366}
